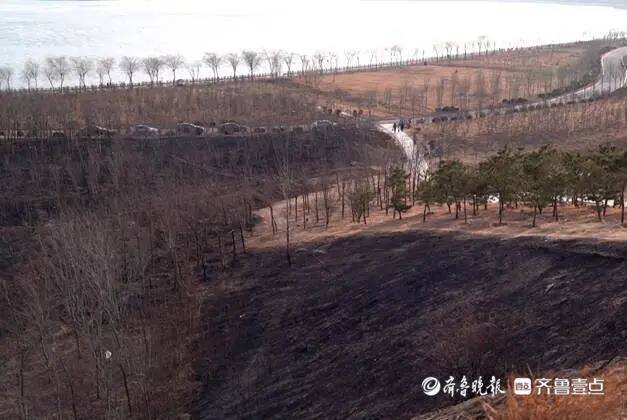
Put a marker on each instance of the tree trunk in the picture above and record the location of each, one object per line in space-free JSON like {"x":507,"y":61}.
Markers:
{"x":241,"y":236}
{"x":343,"y":185}
{"x":273,"y":221}
{"x":296,"y":208}
{"x":128,"y":393}
{"x":500,"y":211}
{"x":622,"y":207}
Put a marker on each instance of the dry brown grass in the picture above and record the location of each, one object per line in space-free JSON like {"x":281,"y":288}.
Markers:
{"x":574,"y":223}
{"x":608,"y":406}
{"x":250,"y":103}
{"x":500,"y":72}
{"x":571,"y":127}
{"x":528,"y":59}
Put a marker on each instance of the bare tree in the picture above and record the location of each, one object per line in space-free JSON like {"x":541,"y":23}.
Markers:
{"x":30,"y":72}
{"x":58,"y":67}
{"x":448,"y":46}
{"x":480,"y":42}
{"x":396,"y":52}
{"x":333,"y":60}
{"x":285,"y":183}
{"x":6,"y":73}
{"x":350,"y":56}
{"x":251,"y":58}
{"x":152,"y":67}
{"x":319,"y":58}
{"x":105,"y":66}
{"x":173,"y":62}
{"x":50,"y":74}
{"x":416,"y":54}
{"x":100,"y":72}
{"x":274,"y":62}
{"x":130,"y":66}
{"x":214,"y":61}
{"x":288,"y":59}
{"x":82,"y":66}
{"x":436,"y":52}
{"x":374,"y":56}
{"x":304,"y":62}
{"x":193,"y":69}
{"x":233,"y":59}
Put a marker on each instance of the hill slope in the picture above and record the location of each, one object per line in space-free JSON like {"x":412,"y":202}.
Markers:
{"x":352,"y":328}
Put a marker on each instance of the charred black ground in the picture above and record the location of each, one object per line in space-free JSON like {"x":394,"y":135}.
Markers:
{"x":355,"y":325}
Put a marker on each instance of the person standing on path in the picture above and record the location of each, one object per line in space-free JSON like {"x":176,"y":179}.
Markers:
{"x":402,"y":125}
{"x":394,"y":127}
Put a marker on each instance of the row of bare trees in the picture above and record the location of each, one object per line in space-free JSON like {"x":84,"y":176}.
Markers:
{"x":569,"y":124}
{"x":57,"y":70}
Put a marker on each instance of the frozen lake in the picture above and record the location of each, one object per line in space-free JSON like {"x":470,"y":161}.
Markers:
{"x":36,"y":29}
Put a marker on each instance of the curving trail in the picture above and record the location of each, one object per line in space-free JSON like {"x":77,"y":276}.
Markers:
{"x":613,"y":77}
{"x":404,"y":141}
{"x":413,"y":151}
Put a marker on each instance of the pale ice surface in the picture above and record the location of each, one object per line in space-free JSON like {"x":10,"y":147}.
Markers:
{"x":36,"y":28}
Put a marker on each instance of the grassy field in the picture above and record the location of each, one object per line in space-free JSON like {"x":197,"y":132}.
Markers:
{"x":571,"y":127}
{"x":462,"y":83}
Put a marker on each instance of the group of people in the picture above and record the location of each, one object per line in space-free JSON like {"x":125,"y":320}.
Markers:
{"x":400,"y":126}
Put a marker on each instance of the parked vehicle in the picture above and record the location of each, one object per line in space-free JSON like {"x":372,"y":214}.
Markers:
{"x":142,"y":130}
{"x":231,"y":128}
{"x":447,"y":109}
{"x":58,"y":135}
{"x":323,"y":125}
{"x":190,"y":130}
{"x":96,"y":132}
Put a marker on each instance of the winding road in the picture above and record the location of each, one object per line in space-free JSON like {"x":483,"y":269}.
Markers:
{"x":613,"y":77}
